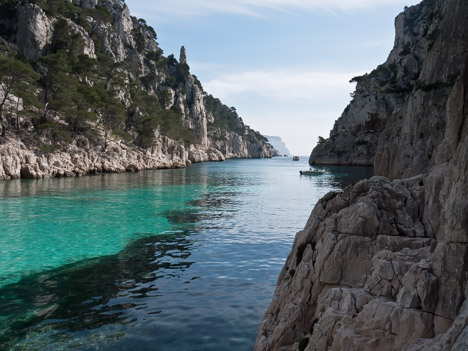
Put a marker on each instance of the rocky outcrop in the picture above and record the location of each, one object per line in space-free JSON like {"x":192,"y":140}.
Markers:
{"x":35,"y":31}
{"x":380,"y":94}
{"x":365,"y":274}
{"x":408,"y":144}
{"x":183,"y":55}
{"x":384,"y":264}
{"x":85,"y":3}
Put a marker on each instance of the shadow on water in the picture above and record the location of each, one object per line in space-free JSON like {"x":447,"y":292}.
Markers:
{"x":91,"y":293}
{"x":343,"y":176}
{"x":221,"y":204}
{"x":207,"y":207}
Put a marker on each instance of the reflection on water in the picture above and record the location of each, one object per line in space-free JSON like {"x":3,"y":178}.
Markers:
{"x":116,"y":181}
{"x":343,"y":176}
{"x":163,"y":260}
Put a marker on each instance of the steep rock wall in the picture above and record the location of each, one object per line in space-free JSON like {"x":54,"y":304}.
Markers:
{"x":106,"y":28}
{"x":384,"y":264}
{"x":380,"y":94}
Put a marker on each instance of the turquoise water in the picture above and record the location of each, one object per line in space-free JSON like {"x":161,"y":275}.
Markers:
{"x":159,"y":260}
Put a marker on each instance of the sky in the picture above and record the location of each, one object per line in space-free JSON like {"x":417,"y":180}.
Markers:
{"x":285,"y":65}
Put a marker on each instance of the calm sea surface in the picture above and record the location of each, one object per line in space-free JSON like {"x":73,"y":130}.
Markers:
{"x":160,"y":260}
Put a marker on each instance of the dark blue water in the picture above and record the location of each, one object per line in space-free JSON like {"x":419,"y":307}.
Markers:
{"x":159,"y":260}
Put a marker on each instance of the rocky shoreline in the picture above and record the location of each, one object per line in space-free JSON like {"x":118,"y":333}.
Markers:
{"x":79,"y":159}
{"x":384,"y":264}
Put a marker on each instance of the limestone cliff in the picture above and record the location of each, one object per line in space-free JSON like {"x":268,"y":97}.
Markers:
{"x":106,"y":97}
{"x":384,"y":264}
{"x":278,"y":144}
{"x":379,"y":95}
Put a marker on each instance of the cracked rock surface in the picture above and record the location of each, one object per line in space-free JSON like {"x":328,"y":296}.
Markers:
{"x":383,"y":265}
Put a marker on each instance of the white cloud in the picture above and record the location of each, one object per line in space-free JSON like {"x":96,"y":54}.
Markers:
{"x":298,"y":105}
{"x":286,"y":85}
{"x":161,"y":8}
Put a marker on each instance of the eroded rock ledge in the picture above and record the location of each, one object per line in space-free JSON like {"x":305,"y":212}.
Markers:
{"x":80,"y":158}
{"x":365,"y":274}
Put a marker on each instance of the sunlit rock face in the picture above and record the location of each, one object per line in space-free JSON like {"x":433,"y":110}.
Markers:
{"x":35,"y":31}
{"x":30,"y":31}
{"x":383,"y":265}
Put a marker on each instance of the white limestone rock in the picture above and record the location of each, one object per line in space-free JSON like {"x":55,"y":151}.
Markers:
{"x":35,"y":31}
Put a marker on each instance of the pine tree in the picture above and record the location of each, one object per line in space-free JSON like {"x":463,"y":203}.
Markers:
{"x":14,"y":76}
{"x":112,"y":114}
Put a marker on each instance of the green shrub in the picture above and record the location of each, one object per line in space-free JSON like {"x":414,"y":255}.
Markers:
{"x":321,"y":140}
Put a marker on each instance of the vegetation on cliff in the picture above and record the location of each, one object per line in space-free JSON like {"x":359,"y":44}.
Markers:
{"x":87,"y":68}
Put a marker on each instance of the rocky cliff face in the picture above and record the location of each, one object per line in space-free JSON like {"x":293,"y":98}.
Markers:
{"x":102,"y":32}
{"x":278,"y":144}
{"x":384,"y":264}
{"x":379,"y":95}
